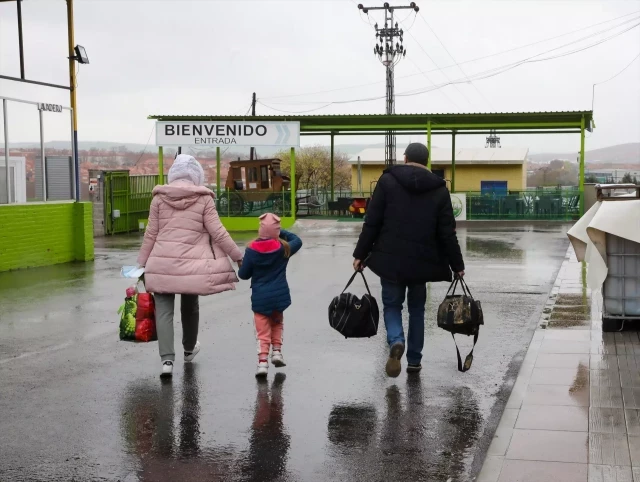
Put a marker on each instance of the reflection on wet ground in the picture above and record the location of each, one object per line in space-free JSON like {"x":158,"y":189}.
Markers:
{"x":407,"y":442}
{"x":78,"y":404}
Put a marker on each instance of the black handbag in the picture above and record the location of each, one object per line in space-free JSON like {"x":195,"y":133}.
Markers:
{"x":461,"y":314}
{"x":354,"y":317}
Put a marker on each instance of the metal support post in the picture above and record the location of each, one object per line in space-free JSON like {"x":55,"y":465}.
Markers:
{"x":581,"y":180}
{"x":332,"y":169}
{"x":74,"y":163}
{"x":72,"y":85}
{"x":293,"y":182}
{"x":453,"y":161}
{"x":42,"y":158}
{"x":160,"y":165}
{"x":218,"y":174}
{"x":6,"y":148}
{"x":20,"y":41}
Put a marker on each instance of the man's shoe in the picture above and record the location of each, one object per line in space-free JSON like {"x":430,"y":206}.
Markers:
{"x":414,"y":368}
{"x":394,"y":367}
{"x":190,"y":355}
{"x":167,"y":369}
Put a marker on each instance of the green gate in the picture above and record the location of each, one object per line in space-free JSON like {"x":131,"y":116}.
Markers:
{"x":127,"y":200}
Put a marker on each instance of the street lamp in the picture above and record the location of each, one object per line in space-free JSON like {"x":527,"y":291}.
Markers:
{"x":81,"y":55}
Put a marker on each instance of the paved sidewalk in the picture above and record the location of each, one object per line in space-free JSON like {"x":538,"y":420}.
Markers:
{"x":574,"y":413}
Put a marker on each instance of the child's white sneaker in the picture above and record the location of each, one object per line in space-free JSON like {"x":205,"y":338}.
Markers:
{"x":277,"y":359}
{"x":263,"y":369}
{"x":167,"y":369}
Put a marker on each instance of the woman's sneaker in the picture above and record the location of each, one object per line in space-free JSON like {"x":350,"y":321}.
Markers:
{"x":394,"y":367}
{"x":190,"y":355}
{"x":263,"y":369}
{"x":167,"y":369}
{"x":277,"y":360}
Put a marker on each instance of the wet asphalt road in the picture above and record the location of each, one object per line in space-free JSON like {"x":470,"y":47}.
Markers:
{"x":76,"y":404}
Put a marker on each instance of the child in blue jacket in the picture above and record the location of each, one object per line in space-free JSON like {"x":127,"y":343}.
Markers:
{"x":265,"y":263}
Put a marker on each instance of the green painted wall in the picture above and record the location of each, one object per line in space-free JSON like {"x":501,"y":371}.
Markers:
{"x":42,"y":234}
{"x":247,"y":223}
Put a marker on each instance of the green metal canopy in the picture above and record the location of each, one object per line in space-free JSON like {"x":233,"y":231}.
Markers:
{"x":567,"y":122}
{"x":327,"y":124}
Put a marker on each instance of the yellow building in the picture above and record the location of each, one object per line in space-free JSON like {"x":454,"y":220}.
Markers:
{"x":477,"y":169}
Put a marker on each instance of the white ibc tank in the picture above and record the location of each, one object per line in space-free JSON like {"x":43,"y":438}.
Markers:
{"x":622,"y":286}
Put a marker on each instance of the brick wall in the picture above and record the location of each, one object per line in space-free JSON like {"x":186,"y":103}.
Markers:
{"x":41,"y":234}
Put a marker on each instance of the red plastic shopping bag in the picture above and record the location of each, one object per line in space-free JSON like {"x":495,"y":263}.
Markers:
{"x":137,"y":317}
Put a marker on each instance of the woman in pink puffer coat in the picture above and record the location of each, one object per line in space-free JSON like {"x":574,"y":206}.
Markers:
{"x":185,"y":251}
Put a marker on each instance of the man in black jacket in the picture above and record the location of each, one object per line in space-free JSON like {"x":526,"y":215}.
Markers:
{"x":408,"y":239}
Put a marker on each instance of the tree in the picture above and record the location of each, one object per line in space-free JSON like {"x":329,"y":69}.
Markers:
{"x":313,"y":167}
{"x":627,"y":179}
{"x":591,"y":179}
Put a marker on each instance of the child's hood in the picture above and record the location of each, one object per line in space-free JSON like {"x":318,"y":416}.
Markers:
{"x":269,"y":251}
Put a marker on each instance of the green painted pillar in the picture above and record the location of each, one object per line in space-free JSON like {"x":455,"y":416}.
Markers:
{"x":160,"y":165}
{"x":218,"y":173}
{"x":293,"y":182}
{"x":453,"y":161}
{"x":429,"y":143}
{"x":332,"y":168}
{"x":581,"y":180}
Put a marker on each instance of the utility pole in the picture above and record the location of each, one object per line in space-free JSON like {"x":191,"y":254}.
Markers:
{"x":253,"y":113}
{"x":390,"y":54}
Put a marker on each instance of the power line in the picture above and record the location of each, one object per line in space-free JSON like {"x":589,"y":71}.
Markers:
{"x":467,"y":61}
{"x":497,"y":70}
{"x":439,"y":69}
{"x":593,"y":90}
{"x":628,"y":65}
{"x":452,"y":58}
{"x":298,"y":112}
{"x":444,"y":94}
{"x":491,"y":72}
{"x":146,"y":145}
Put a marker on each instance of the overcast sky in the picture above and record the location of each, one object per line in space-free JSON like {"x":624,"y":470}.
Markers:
{"x":207,"y":57}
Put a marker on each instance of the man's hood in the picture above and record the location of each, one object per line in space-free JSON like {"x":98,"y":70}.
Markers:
{"x":415,"y":178}
{"x":181,"y":194}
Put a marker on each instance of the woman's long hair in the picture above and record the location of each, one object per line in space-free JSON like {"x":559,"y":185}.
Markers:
{"x":287,"y":248}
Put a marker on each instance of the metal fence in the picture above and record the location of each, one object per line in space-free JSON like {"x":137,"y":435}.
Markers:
{"x":553,"y":205}
{"x":253,"y":204}
{"x":127,"y":200}
{"x":529,"y":204}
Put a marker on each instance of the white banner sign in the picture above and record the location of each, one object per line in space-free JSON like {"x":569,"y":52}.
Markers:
{"x":459,"y":203}
{"x":241,"y":134}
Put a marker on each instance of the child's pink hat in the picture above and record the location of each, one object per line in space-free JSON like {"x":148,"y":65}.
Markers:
{"x":269,"y":226}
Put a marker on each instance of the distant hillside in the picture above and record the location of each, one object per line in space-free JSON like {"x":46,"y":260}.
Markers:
{"x":619,"y":154}
{"x":83,"y":145}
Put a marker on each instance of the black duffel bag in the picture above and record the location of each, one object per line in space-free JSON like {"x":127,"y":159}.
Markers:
{"x":354,"y":317}
{"x":461,"y":314}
